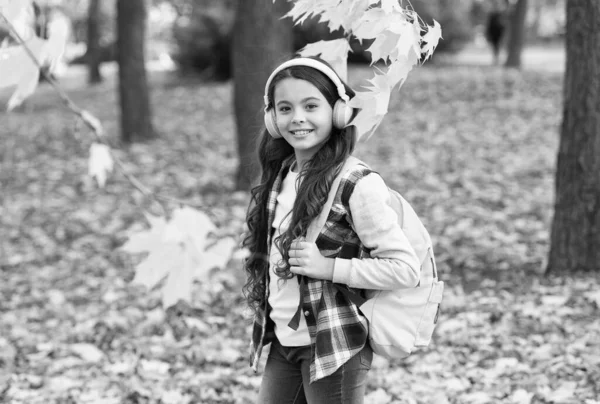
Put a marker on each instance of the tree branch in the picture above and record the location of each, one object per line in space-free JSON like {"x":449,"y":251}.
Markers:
{"x":93,"y":123}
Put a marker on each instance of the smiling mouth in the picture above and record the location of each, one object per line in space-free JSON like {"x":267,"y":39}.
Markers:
{"x":301,"y":132}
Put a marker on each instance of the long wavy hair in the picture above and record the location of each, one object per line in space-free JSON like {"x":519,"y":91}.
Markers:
{"x":314,"y":179}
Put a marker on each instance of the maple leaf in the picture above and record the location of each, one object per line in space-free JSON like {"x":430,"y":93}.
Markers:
{"x":215,"y":256}
{"x":177,"y":249}
{"x":432,"y":38}
{"x":21,"y":16}
{"x":381,"y":90}
{"x":304,"y":9}
{"x":372,"y":23}
{"x":383,"y":47}
{"x":100,"y":163}
{"x":397,"y":71}
{"x":161,"y":255}
{"x":391,"y":6}
{"x":59,"y":31}
{"x":16,"y":65}
{"x":343,"y":14}
{"x":409,"y":40}
{"x":17,"y":68}
{"x":189,"y":223}
{"x":333,"y":51}
{"x":373,"y":107}
{"x":180,"y":277}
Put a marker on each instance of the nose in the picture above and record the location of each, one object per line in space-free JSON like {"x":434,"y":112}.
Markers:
{"x":298,"y":117}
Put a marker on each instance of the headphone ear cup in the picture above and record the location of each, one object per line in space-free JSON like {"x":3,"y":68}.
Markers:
{"x":271,"y":124}
{"x":342,"y":114}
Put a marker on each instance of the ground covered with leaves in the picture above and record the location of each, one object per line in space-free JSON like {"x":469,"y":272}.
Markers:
{"x":472,"y":148}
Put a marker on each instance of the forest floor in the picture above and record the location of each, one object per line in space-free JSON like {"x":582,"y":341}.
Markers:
{"x":473,"y":148}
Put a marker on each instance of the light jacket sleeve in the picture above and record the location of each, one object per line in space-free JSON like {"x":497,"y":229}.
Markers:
{"x":393,"y":264}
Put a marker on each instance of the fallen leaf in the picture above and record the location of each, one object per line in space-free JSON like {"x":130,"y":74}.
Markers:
{"x":87,"y":352}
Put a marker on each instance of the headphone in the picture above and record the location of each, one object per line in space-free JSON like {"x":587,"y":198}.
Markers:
{"x":342,"y":112}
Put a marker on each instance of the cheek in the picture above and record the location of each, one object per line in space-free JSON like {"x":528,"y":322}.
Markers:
{"x":281,"y":120}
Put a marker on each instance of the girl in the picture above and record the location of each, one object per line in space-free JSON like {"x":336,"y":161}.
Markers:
{"x":319,"y":351}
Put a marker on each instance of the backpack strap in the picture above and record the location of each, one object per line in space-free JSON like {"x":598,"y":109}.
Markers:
{"x":317,"y":224}
{"x":315,"y":228}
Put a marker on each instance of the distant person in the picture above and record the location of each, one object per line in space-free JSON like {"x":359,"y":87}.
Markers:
{"x":494,"y":32}
{"x":319,"y":351}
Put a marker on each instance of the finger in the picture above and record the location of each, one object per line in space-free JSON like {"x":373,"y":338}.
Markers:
{"x":299,"y":240}
{"x":300,"y":244}
{"x":297,"y":270}
{"x":294,"y":261}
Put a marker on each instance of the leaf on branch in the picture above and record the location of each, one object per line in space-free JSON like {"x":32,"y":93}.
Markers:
{"x":390,"y":6}
{"x":59,"y":30}
{"x":334,"y":51}
{"x":190,"y":223}
{"x":17,"y":68}
{"x":375,"y":21}
{"x":383,"y":46}
{"x":431,"y":39}
{"x":395,"y":36}
{"x":215,"y":256}
{"x":177,"y":249}
{"x":21,"y":16}
{"x":16,"y":65}
{"x":398,"y":71}
{"x":180,"y":277}
{"x":373,"y":106}
{"x":304,"y":9}
{"x":161,"y":255}
{"x":342,"y":14}
{"x":100,"y":163}
{"x":381,"y":90}
{"x":409,"y":43}
{"x":367,"y":121}
{"x":93,"y":122}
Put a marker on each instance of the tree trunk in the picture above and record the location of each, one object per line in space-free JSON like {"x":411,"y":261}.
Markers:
{"x":261,"y":41}
{"x":516,"y":35}
{"x":136,"y":122}
{"x":93,"y":43}
{"x":575,"y":237}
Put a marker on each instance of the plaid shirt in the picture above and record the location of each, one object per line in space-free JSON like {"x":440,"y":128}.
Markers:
{"x":337,"y":328}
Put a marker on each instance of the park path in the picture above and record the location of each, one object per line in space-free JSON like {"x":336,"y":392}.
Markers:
{"x":535,"y":57}
{"x":551,"y":57}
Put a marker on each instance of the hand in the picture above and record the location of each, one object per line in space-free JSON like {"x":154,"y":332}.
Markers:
{"x":306,"y":259}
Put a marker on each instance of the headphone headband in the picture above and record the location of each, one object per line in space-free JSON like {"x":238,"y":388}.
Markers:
{"x":315,"y":64}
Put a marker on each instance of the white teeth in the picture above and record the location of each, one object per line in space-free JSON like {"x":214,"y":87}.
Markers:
{"x":301,"y":132}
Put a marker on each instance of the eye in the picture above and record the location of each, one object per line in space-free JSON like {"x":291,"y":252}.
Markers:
{"x":284,"y":109}
{"x":311,"y":106}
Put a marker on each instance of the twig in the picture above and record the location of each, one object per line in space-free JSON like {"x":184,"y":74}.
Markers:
{"x":94,"y":124}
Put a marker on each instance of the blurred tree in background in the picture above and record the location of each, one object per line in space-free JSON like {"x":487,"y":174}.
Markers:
{"x":93,"y":51}
{"x":136,"y":123}
{"x":575,"y":237}
{"x":516,"y":33}
{"x":202,"y":35}
{"x":261,"y":41}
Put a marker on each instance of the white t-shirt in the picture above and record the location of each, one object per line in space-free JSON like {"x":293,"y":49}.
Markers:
{"x":284,"y":296}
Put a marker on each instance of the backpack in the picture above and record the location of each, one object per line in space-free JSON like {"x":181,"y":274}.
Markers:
{"x":403,"y":319}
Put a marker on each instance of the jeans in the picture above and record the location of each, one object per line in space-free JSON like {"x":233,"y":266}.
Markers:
{"x":286,"y":378}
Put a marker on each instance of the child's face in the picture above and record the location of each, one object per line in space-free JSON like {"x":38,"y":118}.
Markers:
{"x":304,"y":117}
